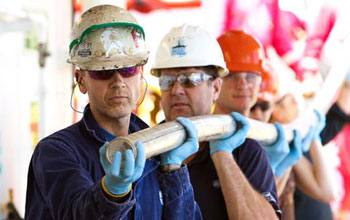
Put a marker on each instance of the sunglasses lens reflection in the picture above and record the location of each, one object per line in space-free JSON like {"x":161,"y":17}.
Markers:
{"x":129,"y":71}
{"x":101,"y":74}
{"x":166,"y":82}
{"x":107,"y":74}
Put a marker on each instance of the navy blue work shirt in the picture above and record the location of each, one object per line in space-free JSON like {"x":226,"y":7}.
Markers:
{"x":64,"y":180}
{"x":254,"y":164}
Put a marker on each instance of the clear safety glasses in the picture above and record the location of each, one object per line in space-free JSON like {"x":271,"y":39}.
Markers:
{"x":252,"y":78}
{"x":107,"y":74}
{"x":166,"y":82}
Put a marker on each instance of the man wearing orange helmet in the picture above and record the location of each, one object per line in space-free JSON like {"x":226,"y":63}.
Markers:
{"x":231,"y":177}
{"x":245,"y":59}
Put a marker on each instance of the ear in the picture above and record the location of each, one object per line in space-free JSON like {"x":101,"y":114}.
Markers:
{"x":79,"y":77}
{"x":217,"y":88}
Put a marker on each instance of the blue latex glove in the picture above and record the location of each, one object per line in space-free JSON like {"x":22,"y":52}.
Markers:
{"x":306,"y":142}
{"x":118,"y":180}
{"x":314,"y":132}
{"x":189,"y":147}
{"x":293,"y":157}
{"x":278,"y":150}
{"x":235,"y":140}
{"x":321,"y":123}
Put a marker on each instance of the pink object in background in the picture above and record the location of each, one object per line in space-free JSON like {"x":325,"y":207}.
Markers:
{"x":343,"y":142}
{"x":265,"y":20}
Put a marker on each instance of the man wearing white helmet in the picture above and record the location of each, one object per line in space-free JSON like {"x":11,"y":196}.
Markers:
{"x":69,"y":176}
{"x":228,"y":177}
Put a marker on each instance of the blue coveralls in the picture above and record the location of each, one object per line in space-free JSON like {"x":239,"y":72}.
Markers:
{"x":64,"y":180}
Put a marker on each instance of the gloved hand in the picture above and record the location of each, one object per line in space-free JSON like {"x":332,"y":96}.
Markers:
{"x":278,"y":150}
{"x":235,"y":140}
{"x":314,"y":132}
{"x":293,"y":157}
{"x":118,"y":180}
{"x":306,"y":142}
{"x":189,"y":147}
{"x":321,"y":123}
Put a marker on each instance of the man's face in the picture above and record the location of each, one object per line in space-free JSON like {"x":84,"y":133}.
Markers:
{"x":187,"y":101}
{"x":113,"y":94}
{"x":239,"y":92}
{"x":261,"y":111}
{"x":285,"y":110}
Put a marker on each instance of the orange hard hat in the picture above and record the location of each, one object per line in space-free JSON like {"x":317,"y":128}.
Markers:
{"x":242,"y":51}
{"x":269,"y":84}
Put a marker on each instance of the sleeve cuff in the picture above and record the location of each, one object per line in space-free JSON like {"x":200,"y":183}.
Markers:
{"x":269,"y":197}
{"x":109,"y":208}
{"x":174,"y":184}
{"x":336,"y":112}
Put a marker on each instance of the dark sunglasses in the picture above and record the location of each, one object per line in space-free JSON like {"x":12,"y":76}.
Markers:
{"x":263,"y":105}
{"x":107,"y":74}
{"x":167,"y":82}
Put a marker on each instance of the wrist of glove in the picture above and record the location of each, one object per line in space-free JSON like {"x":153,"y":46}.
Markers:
{"x":119,"y":178}
{"x":293,"y":156}
{"x":189,"y":147}
{"x":314,"y":131}
{"x":277,"y":151}
{"x":321,"y":123}
{"x":235,"y":140}
{"x":117,"y":192}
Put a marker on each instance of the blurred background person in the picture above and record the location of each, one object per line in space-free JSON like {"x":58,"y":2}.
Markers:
{"x":312,"y":178}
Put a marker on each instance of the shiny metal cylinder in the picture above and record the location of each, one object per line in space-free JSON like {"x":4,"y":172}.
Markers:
{"x":167,"y":136}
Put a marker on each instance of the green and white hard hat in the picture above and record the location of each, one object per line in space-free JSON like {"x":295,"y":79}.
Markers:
{"x":107,"y":37}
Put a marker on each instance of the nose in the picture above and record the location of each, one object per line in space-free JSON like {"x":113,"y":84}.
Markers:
{"x":117,"y":80}
{"x":241,"y":82}
{"x":177,"y":89}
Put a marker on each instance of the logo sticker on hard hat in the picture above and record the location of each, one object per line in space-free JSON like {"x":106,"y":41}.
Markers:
{"x":179,"y":49}
{"x":84,"y":49}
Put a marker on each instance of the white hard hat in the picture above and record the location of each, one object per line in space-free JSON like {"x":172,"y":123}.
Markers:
{"x":107,"y":37}
{"x":188,"y":46}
